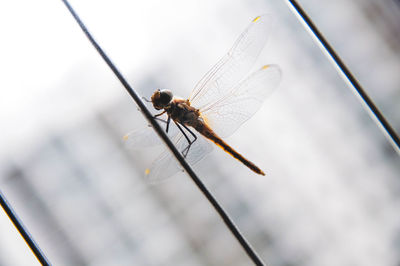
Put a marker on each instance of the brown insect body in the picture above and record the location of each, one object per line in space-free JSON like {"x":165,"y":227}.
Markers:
{"x":182,"y":112}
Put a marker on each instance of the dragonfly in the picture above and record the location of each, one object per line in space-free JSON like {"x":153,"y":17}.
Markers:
{"x":225,"y":98}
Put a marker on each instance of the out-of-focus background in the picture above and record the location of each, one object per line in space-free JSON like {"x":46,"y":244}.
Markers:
{"x":331,"y":195}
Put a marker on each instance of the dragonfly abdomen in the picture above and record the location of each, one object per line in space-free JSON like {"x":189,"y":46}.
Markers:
{"x":207,"y":132}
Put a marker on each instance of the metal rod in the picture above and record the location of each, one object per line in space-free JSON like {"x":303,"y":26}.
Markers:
{"x":23,"y":231}
{"x":375,"y":113}
{"x":229,"y":223}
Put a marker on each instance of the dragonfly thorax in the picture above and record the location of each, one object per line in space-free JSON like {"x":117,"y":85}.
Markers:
{"x":161,"y":99}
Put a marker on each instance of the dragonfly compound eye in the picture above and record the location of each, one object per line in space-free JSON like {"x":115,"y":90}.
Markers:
{"x":161,"y":98}
{"x":165,"y":97}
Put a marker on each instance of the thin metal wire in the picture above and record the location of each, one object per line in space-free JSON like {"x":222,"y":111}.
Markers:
{"x":227,"y":220}
{"x":375,"y":113}
{"x":23,"y":231}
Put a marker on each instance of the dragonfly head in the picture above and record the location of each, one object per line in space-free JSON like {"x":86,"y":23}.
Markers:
{"x":161,"y":99}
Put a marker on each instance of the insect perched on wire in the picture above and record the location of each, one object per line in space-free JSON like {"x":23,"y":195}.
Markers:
{"x":219,"y":104}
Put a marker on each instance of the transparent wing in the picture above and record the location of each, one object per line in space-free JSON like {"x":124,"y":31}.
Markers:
{"x":141,"y":138}
{"x":227,"y":114}
{"x":146,"y":137}
{"x":234,"y":65}
{"x":166,"y":165}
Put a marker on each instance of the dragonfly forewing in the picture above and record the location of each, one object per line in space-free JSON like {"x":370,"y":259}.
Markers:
{"x":234,"y":65}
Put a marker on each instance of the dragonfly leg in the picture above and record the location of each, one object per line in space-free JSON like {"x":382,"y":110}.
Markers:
{"x":168,"y":120}
{"x":159,"y":119}
{"x":191,"y":132}
{"x":186,"y":150}
{"x":162,"y":120}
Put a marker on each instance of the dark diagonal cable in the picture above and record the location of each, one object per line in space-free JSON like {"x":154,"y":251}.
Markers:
{"x":369,"y":104}
{"x":22,"y":230}
{"x":232,"y":227}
